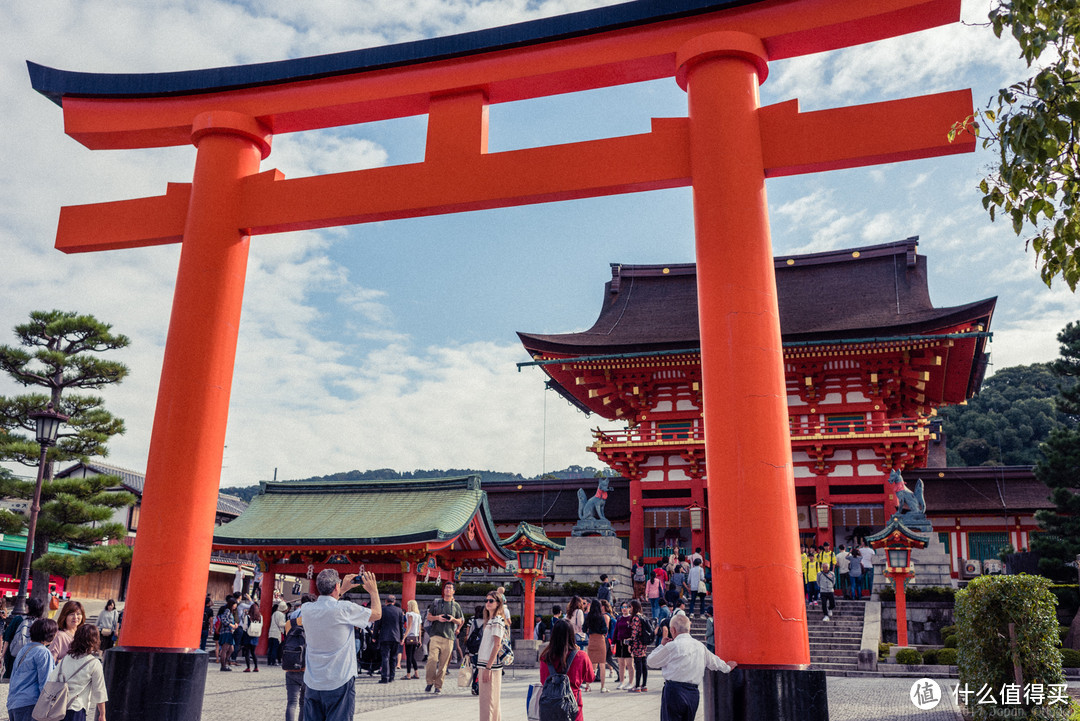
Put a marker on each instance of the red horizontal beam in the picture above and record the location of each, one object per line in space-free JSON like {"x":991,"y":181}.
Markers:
{"x":887,"y":132}
{"x":794,"y":143}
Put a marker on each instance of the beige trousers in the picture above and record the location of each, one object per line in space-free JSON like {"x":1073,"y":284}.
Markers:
{"x":439,"y":648}
{"x":489,"y":696}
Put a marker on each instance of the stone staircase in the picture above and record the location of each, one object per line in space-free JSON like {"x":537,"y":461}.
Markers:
{"x":834,"y":644}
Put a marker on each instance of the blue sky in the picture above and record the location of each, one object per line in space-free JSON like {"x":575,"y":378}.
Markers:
{"x":392,"y":344}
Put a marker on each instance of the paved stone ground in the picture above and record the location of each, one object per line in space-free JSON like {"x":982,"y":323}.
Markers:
{"x":262,"y":696}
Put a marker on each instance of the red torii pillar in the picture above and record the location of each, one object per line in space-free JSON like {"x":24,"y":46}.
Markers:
{"x":742,"y":360}
{"x":725,"y":150}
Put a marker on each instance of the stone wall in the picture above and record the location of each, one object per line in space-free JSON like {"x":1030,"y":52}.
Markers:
{"x":925,"y":619}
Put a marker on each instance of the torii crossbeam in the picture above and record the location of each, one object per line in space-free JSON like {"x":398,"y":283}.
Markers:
{"x":725,"y":148}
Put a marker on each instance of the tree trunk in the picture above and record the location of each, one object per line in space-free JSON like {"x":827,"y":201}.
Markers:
{"x":1072,"y":639}
{"x":40,"y":578}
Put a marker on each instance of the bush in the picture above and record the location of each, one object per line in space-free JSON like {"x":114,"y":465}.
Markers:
{"x":570,"y":588}
{"x":909,"y":657}
{"x":1070,"y":658}
{"x":947,"y":631}
{"x":931,"y":593}
{"x":946,"y":657}
{"x":930,"y":656}
{"x":919,"y":593}
{"x":883,"y":650}
{"x":581,"y":588}
{"x":987,"y":649}
{"x":952,"y":641}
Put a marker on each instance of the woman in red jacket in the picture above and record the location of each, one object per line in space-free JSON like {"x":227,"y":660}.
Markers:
{"x":565,"y":657}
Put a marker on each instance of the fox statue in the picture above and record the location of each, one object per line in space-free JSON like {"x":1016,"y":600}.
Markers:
{"x":593,"y":507}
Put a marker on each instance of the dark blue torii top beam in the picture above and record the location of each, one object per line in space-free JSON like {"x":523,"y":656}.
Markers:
{"x":58,"y":84}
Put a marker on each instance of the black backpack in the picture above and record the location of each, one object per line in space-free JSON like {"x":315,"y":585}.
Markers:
{"x":475,"y":637}
{"x":294,"y":649}
{"x":647,"y":634}
{"x":557,"y":702}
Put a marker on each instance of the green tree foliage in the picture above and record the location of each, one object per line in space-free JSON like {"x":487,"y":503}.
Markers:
{"x":1059,"y":468}
{"x":59,"y":352}
{"x":79,"y":511}
{"x":1004,"y":424}
{"x":1004,"y":622}
{"x":1035,"y":127}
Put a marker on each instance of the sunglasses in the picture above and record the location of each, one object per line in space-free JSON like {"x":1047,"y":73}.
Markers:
{"x":490,"y":600}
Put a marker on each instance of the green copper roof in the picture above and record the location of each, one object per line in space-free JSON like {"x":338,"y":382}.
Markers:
{"x":896,"y":526}
{"x":359,"y":513}
{"x":534,"y":534}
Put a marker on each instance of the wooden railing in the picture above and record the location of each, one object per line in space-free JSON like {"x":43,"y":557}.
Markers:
{"x":878,"y":426}
{"x":649,"y":436}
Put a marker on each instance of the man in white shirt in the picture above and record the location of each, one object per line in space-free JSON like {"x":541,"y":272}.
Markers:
{"x":683,"y":660}
{"x":330,"y":670}
{"x":843,"y":581}
{"x":866,"y":554}
{"x":694,"y":580}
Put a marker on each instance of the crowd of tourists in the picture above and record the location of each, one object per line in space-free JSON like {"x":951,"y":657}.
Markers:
{"x":324,"y":642}
{"x":847,"y":572}
{"x":52,"y":645}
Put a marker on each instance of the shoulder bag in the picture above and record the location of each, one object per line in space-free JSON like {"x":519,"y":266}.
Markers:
{"x":53,"y":702}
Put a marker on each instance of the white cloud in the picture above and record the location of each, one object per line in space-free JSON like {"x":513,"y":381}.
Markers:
{"x":329,"y":377}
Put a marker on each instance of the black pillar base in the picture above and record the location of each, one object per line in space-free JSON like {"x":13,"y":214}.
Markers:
{"x":764,"y":693}
{"x":163,"y":684}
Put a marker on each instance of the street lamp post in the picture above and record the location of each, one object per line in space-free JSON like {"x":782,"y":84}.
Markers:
{"x":47,"y":427}
{"x":531,"y":545}
{"x":898,"y":540}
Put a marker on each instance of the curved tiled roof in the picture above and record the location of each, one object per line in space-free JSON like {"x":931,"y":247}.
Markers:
{"x":58,"y":84}
{"x":863,"y":292}
{"x":133,"y":481}
{"x":360,"y":513}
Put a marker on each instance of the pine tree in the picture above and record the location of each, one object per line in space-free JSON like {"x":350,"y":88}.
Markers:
{"x":59,"y":352}
{"x":1059,"y":469}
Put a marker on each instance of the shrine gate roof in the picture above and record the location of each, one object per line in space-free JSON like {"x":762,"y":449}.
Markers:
{"x":426,"y":514}
{"x":872,"y":291}
{"x":57,"y":84}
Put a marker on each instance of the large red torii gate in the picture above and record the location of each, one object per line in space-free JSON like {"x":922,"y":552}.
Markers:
{"x":724,"y":149}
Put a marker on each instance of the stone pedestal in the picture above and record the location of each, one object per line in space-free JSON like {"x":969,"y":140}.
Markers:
{"x":586,"y":557}
{"x":526,"y":653}
{"x":765,"y":694}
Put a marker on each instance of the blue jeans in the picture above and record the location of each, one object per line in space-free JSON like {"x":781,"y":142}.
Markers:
{"x":693,"y":598}
{"x":856,"y":587}
{"x":294,"y":690}
{"x":868,"y":580}
{"x":23,"y":713}
{"x":655,"y":606}
{"x":336,"y":705}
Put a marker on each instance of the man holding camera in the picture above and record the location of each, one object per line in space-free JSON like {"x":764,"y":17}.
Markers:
{"x":446,"y":618}
{"x":330,"y":670}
